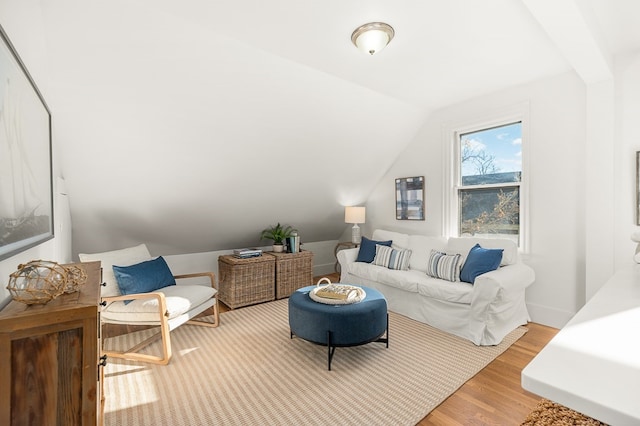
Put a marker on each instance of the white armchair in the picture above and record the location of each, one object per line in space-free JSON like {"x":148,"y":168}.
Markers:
{"x":167,"y":307}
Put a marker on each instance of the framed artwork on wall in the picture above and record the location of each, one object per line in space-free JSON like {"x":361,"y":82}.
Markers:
{"x":410,"y":198}
{"x":637,"y":187}
{"x":26,"y":187}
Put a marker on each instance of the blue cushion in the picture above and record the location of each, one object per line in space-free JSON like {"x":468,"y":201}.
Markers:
{"x":367,"y":250}
{"x":143,"y":277}
{"x":479,"y":261}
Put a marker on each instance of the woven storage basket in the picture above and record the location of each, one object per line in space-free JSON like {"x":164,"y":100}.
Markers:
{"x":246,"y":281}
{"x":293,"y":271}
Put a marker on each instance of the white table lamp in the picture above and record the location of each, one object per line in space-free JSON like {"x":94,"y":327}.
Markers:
{"x":354,"y":215}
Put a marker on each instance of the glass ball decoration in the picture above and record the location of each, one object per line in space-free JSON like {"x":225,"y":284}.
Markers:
{"x":37,"y":282}
{"x":76,"y":276}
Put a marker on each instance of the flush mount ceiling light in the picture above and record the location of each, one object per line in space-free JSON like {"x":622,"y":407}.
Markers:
{"x":372,"y":37}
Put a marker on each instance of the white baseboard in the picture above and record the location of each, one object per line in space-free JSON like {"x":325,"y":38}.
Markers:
{"x":323,"y":261}
{"x":325,"y":269}
{"x":549,"y":316}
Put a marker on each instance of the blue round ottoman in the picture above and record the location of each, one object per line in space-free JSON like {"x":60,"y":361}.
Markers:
{"x":339,"y":325}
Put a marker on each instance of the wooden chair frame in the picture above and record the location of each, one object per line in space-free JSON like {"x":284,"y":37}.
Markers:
{"x":166,"y":325}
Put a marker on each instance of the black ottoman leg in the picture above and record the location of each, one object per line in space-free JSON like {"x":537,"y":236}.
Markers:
{"x":330,"y":350}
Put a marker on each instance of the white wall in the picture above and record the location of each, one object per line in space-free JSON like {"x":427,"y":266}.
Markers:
{"x":200,"y":149}
{"x":627,"y":111}
{"x":599,"y":179}
{"x":583,"y":181}
{"x":557,"y":194}
{"x":22,"y":21}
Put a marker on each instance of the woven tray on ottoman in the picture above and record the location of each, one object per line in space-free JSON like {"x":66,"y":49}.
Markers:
{"x":246,"y":281}
{"x":293,"y":271}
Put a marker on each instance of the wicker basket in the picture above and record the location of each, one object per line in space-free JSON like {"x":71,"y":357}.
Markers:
{"x":293,"y":271}
{"x":246,"y":281}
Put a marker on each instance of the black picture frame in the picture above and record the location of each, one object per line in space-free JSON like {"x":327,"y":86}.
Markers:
{"x":638,"y":188}
{"x":26,"y":175}
{"x":410,"y":198}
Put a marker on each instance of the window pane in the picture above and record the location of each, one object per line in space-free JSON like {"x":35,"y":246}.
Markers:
{"x":490,"y":211}
{"x":492,"y":155}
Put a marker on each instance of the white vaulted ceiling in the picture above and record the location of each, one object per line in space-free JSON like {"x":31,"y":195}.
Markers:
{"x":192,"y":125}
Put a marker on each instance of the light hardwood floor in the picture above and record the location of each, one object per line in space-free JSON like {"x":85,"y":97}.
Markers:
{"x":494,"y":396}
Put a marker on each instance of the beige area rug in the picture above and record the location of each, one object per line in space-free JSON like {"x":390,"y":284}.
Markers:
{"x":249,"y":372}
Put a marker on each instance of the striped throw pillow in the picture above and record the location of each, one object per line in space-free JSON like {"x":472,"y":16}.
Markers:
{"x":392,"y":258}
{"x":444,"y":266}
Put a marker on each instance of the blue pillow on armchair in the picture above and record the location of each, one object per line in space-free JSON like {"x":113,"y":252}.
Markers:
{"x":367,"y":250}
{"x":479,"y":261}
{"x":144,"y":277}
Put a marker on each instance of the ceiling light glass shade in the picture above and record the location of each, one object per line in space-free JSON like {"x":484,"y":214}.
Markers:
{"x":372,"y":37}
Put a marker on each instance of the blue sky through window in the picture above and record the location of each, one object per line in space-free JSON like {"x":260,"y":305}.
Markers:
{"x":503,"y":144}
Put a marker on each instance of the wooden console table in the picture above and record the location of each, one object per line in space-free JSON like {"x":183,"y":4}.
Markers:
{"x":593,"y":364}
{"x":51,"y":371}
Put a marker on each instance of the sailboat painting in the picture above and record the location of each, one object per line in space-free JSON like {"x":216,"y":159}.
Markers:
{"x":26,"y":193}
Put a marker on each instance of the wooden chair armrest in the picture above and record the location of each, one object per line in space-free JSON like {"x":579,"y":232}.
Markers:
{"x":210,"y":275}
{"x":133,"y":296}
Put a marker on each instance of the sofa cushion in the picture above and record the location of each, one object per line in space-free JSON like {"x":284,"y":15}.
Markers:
{"x":479,"y":261}
{"x":364,"y":270}
{"x":400,"y":241}
{"x":122,"y":257}
{"x":143,"y":277}
{"x":179,"y":299}
{"x":462,"y":246}
{"x":421,"y":246}
{"x":367,"y":250}
{"x":403,"y":280}
{"x":421,"y":283}
{"x":392,"y":258}
{"x":456,"y":292}
{"x":444,"y":266}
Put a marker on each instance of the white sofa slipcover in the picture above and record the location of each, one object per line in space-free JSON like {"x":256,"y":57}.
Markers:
{"x":483,"y":312}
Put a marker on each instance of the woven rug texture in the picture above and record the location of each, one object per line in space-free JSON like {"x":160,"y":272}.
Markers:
{"x":549,"y":413}
{"x":249,"y":372}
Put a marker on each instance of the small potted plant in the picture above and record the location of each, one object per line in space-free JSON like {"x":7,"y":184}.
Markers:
{"x":277,"y":234}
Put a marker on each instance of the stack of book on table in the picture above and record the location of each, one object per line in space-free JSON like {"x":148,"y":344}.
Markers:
{"x":245,"y":253}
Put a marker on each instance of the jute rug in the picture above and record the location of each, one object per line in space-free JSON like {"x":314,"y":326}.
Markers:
{"x":249,"y":372}
{"x":548,"y":413}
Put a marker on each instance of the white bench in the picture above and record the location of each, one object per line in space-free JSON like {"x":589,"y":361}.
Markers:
{"x":593,"y":364}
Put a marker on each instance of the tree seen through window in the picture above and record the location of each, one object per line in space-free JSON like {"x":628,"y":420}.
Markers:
{"x":489,"y":181}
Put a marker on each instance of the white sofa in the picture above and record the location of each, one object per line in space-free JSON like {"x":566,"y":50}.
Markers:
{"x":483,"y":312}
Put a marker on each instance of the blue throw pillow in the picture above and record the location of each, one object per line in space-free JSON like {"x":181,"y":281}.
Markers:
{"x":367,"y":250}
{"x":143,"y":277}
{"x":479,"y":261}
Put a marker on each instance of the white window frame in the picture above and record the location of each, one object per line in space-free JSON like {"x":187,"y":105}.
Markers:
{"x":451,"y":161}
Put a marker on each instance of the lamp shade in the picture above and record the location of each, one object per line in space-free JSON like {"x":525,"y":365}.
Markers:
{"x":354,"y":214}
{"x":372,"y":37}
